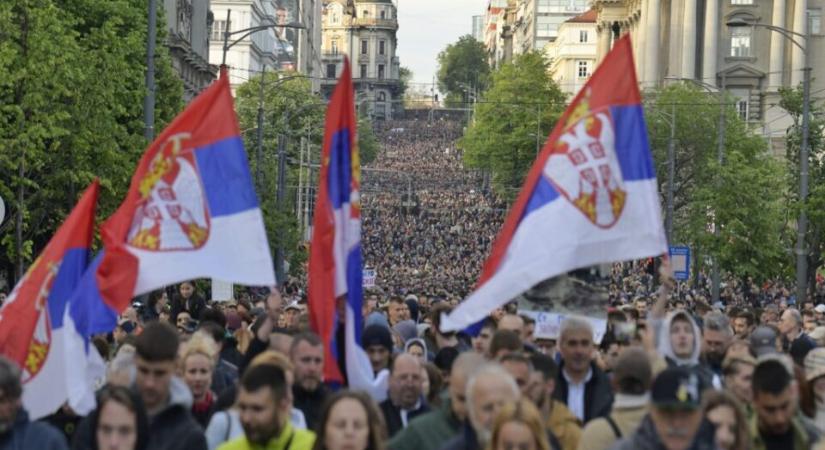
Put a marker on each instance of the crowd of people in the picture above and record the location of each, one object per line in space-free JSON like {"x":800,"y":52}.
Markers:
{"x":428,"y":222}
{"x":674,"y":369}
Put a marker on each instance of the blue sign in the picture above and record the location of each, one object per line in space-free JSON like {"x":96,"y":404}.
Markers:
{"x":680,"y":262}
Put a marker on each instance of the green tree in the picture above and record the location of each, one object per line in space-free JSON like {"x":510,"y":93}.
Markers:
{"x":514,"y":117}
{"x":368,"y":145}
{"x":462,"y":67}
{"x":71,"y":95}
{"x":405,"y":75}
{"x":741,"y":193}
{"x":791,"y":101}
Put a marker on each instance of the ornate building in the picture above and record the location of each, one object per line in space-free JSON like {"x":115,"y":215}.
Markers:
{"x":365,"y":30}
{"x":572,"y":54}
{"x":188,"y":24}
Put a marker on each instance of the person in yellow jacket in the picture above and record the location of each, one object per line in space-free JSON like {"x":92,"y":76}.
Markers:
{"x":264,"y":406}
{"x":559,"y":420}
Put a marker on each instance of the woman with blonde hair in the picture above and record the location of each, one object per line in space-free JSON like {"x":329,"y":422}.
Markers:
{"x":728,"y":418}
{"x":519,"y":425}
{"x":197,"y":365}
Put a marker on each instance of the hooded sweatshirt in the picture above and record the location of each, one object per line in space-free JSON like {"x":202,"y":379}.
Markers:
{"x":707,"y":379}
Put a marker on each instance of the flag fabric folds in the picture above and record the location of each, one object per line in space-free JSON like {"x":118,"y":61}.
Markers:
{"x":335,"y":276}
{"x":191,"y":210}
{"x":37,"y":321}
{"x":590,"y":197}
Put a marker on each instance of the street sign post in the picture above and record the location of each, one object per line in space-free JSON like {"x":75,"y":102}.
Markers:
{"x":680,"y":262}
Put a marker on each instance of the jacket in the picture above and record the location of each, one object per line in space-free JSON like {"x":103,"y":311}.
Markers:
{"x":429,"y":431}
{"x":466,"y":440}
{"x":310,"y":402}
{"x":646,"y":438}
{"x":805,"y":434}
{"x":194,"y":305}
{"x":598,"y":395}
{"x":25,"y":435}
{"x":392,"y":415}
{"x":564,"y":425}
{"x":599,"y":435}
{"x":173,"y":428}
{"x":289,"y":439}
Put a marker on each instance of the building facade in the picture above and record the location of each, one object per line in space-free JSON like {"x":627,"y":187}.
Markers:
{"x":477,"y":30}
{"x":188,"y":23}
{"x":366,"y":32}
{"x":678,"y":39}
{"x":572,"y":54}
{"x":276,"y":48}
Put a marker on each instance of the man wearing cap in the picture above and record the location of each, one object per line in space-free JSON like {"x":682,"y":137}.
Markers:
{"x":674,"y":421}
{"x":820,"y":313}
{"x":632,"y":375}
{"x":776,"y":423}
{"x":764,"y":341}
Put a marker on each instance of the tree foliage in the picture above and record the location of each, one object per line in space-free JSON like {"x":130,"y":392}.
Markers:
{"x":462,"y":66}
{"x":405,"y":76}
{"x":741,"y":194}
{"x":72,"y":81}
{"x":515,"y":116}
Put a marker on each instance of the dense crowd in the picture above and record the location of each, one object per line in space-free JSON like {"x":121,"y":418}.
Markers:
{"x":428,"y":223}
{"x":674,"y":369}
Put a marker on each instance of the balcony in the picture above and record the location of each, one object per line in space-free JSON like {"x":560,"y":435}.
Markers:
{"x":379,"y":23}
{"x":332,"y":56}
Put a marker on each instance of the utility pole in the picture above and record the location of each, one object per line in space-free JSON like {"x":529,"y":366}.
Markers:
{"x":720,"y":155}
{"x":279,"y":251}
{"x":149,"y":97}
{"x":802,"y":224}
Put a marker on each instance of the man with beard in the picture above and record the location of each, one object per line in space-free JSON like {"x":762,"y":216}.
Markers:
{"x":309,"y":393}
{"x":743,"y":324}
{"x":16,"y":430}
{"x":404,"y":401}
{"x":264,"y":405}
{"x":716,"y":337}
{"x":776,"y":424}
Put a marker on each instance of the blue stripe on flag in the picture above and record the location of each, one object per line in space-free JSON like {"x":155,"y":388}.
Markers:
{"x":340,"y":170}
{"x":67,"y":278}
{"x":543,"y":193}
{"x":225,"y":176}
{"x":354,"y":289}
{"x":90,"y":314}
{"x":632,"y":147}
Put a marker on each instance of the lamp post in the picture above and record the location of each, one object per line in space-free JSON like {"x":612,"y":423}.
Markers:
{"x":802,"y":223}
{"x":247,"y":31}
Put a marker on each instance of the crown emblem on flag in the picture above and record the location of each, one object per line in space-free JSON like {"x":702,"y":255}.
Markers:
{"x":584,"y":167}
{"x":172,"y":212}
{"x":42,"y":338}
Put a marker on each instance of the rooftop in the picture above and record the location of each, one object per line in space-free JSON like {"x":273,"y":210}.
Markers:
{"x":587,"y":17}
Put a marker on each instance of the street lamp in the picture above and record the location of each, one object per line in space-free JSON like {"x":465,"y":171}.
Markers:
{"x":802,"y":224}
{"x":247,"y":31}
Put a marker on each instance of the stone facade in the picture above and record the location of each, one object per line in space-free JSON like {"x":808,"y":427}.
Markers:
{"x":188,"y":23}
{"x":572,"y":54}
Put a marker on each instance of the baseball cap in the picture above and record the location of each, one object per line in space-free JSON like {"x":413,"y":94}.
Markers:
{"x":763,"y":341}
{"x":293,"y":305}
{"x":820,"y":308}
{"x":676,"y":388}
{"x":815,"y":364}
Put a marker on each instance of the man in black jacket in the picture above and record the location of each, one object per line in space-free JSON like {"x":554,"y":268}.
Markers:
{"x":309,"y":392}
{"x":405,"y":400}
{"x":167,"y":399}
{"x":580,"y":384}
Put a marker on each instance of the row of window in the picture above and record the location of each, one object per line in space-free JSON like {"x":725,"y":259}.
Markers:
{"x":741,"y":38}
{"x":382,"y":47}
{"x":362,"y":73}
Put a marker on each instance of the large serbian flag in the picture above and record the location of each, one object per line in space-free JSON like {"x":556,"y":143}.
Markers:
{"x":191,"y":210}
{"x":590,"y":198}
{"x":37,"y":323}
{"x":335,"y":250}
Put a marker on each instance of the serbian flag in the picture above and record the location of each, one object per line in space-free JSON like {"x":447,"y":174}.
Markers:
{"x":590,"y":198}
{"x":37,"y":323}
{"x":191,"y":210}
{"x":335,"y":249}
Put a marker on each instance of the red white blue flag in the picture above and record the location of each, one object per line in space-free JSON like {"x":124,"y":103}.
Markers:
{"x":590,"y":198}
{"x":335,"y":251}
{"x":38,"y":323}
{"x":191,"y":210}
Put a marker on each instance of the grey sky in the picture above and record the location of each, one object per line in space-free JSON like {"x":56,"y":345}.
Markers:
{"x":427,"y":26}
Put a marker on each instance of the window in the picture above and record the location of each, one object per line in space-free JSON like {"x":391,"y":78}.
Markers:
{"x":582,"y":69}
{"x":382,"y":97}
{"x":330,"y":70}
{"x":381,"y":47}
{"x":380,"y":71}
{"x":363,"y":71}
{"x":741,"y":2}
{"x":740,"y":41}
{"x":742,"y":109}
{"x":583,"y":36}
{"x":364,"y":47}
{"x":335,"y":47}
{"x":218,"y":28}
{"x":383,"y":14}
{"x":815,"y":20}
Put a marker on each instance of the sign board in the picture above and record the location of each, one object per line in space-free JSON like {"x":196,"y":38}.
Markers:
{"x":222,"y":291}
{"x":368,"y":280}
{"x":680,"y":262}
{"x":548,"y":325}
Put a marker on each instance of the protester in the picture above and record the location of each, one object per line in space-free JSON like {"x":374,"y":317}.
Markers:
{"x":813,"y":394}
{"x":405,"y":400}
{"x":679,"y":343}
{"x":198,"y":358}
{"x":518,"y":426}
{"x":189,"y":301}
{"x":738,"y":374}
{"x":560,"y":422}
{"x":716,"y":337}
{"x":725,"y":413}
{"x":350,"y":421}
{"x":309,"y":392}
{"x":120,"y":421}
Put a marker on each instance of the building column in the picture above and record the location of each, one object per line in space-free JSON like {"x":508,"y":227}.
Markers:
{"x":711,"y":41}
{"x":800,"y":19}
{"x":652,"y":31}
{"x":689,"y":41}
{"x":604,"y":40}
{"x":673,"y":62}
{"x":777,"y":60}
{"x":638,"y":45}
